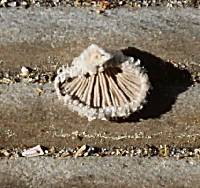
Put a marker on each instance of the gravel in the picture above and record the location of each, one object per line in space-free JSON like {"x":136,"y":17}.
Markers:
{"x":98,"y":5}
{"x":87,"y":151}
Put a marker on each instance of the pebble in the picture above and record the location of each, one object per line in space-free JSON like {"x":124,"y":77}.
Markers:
{"x":24,"y":3}
{"x":35,"y":75}
{"x":2,"y":2}
{"x":28,"y":75}
{"x":5,"y":81}
{"x":164,"y":151}
{"x":24,"y":71}
{"x":5,"y":152}
{"x":12,"y":4}
{"x":39,"y":91}
{"x":56,"y":1}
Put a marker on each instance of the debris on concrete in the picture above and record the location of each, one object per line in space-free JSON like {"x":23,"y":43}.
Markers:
{"x":5,"y":152}
{"x":81,"y":151}
{"x":25,"y":71}
{"x":33,"y":152}
{"x":162,"y":151}
{"x":100,"y":6}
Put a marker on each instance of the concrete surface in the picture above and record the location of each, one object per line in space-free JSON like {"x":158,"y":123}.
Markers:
{"x":31,"y":37}
{"x":99,"y":172}
{"x":28,"y":119}
{"x":172,"y":115}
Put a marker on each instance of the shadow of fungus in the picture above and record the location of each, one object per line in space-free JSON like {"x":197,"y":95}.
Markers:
{"x":167,"y":83}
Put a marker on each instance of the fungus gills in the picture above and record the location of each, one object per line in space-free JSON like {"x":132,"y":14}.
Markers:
{"x":100,"y":85}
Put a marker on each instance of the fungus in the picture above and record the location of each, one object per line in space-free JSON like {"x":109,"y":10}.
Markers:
{"x":100,"y":85}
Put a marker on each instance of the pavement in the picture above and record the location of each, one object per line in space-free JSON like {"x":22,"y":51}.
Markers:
{"x":158,"y":36}
{"x":99,"y":172}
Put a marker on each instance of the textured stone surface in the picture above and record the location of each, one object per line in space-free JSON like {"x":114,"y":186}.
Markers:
{"x":99,"y":172}
{"x":62,"y":24}
{"x":28,"y":119}
{"x":29,"y":37}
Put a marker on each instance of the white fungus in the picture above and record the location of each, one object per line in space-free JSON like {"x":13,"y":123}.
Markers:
{"x":100,"y":85}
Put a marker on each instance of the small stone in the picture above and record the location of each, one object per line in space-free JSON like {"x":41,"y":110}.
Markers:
{"x":24,"y":3}
{"x":197,"y":151}
{"x":164,"y":151}
{"x":139,"y":151}
{"x":2,"y":2}
{"x":121,"y":3}
{"x":56,"y":1}
{"x":5,"y":81}
{"x":12,"y":4}
{"x":24,"y":71}
{"x":30,"y":80}
{"x":5,"y":152}
{"x":7,"y":75}
{"x":117,"y":152}
{"x":99,"y":11}
{"x":39,"y":91}
{"x":112,"y":153}
{"x":14,"y":156}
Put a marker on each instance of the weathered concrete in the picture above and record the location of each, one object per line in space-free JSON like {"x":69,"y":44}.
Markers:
{"x":99,"y":172}
{"x":28,"y":119}
{"x":172,"y":115}
{"x":30,"y":37}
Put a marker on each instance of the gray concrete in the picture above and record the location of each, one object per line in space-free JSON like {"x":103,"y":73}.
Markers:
{"x":29,"y":119}
{"x":99,"y":172}
{"x":172,"y":115}
{"x":62,"y":24}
